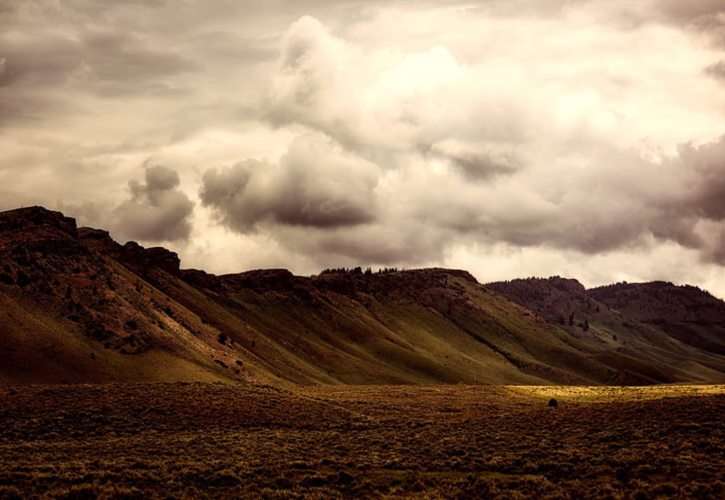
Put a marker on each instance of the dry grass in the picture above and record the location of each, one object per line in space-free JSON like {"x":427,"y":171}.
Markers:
{"x":606,"y":394}
{"x":128,"y":440}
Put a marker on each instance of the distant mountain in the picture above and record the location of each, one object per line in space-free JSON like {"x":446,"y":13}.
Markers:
{"x":671,"y":328}
{"x":687,"y":313}
{"x":75,"y":306}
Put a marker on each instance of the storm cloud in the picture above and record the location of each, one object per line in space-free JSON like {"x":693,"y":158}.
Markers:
{"x":508,"y":137}
{"x":315,"y":184}
{"x":156,"y":211}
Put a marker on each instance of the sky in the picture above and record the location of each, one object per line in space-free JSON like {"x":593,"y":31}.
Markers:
{"x":511,"y":138}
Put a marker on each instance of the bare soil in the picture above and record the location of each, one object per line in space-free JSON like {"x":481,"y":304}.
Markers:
{"x":218,"y":440}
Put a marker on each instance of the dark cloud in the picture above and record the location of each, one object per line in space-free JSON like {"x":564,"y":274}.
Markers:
{"x":700,"y":11}
{"x":482,"y":166}
{"x":679,"y":200}
{"x":716,"y":70}
{"x":717,"y":250}
{"x":157,"y":211}
{"x":158,"y":180}
{"x":89,"y":56}
{"x":704,"y":17}
{"x":600,"y":213}
{"x":315,"y":184}
{"x":45,"y":59}
{"x":706,"y":197}
{"x":389,"y":242}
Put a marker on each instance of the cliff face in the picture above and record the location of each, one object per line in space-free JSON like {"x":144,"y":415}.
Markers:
{"x":76,"y":306}
{"x":558,"y":300}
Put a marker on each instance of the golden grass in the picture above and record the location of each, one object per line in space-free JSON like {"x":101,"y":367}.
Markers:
{"x":605,"y":394}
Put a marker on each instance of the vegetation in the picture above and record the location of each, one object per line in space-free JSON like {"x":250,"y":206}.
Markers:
{"x":214,"y":440}
{"x":358,"y":270}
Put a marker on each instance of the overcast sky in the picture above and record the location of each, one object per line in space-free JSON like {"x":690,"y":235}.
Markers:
{"x":507,"y":137}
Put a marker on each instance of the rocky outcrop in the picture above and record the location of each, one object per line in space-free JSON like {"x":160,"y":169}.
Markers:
{"x":200,"y":279}
{"x":558,"y":300}
{"x":34,"y":219}
{"x":260,"y":279}
{"x":138,"y":257}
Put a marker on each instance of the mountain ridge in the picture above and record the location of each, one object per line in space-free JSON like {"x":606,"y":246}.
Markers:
{"x":80,"y":307}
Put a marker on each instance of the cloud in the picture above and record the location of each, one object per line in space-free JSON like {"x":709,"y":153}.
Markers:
{"x":705,"y":17}
{"x":706,"y":194}
{"x":473,"y":154}
{"x":157,"y":211}
{"x":395,"y":133}
{"x":315,"y":184}
{"x":372,"y":103}
{"x":692,"y":11}
{"x":480,"y":161}
{"x":716,"y":70}
{"x":100,"y":58}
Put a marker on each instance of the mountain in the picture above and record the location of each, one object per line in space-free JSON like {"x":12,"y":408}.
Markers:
{"x":686,"y":313}
{"x":671,"y":329}
{"x":76,"y":306}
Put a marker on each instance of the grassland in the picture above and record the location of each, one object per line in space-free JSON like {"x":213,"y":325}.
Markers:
{"x":219,"y":440}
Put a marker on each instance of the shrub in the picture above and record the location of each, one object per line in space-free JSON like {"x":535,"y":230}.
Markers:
{"x":22,"y":279}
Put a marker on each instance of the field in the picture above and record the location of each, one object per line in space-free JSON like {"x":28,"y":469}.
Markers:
{"x":223,"y":440}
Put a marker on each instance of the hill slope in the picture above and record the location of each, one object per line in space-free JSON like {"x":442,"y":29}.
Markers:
{"x":75,"y":306}
{"x":687,"y":313}
{"x":630,"y":325}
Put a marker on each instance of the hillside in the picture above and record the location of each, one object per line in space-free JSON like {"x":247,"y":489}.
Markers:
{"x":75,"y":306}
{"x":687,"y":313}
{"x":632,"y":323}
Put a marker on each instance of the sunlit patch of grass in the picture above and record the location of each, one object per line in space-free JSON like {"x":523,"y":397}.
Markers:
{"x":593,"y":394}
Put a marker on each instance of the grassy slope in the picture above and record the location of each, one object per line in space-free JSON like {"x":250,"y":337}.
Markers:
{"x":639,"y":352}
{"x":338,"y":339}
{"x":365,"y":338}
{"x":328,"y":337}
{"x":38,"y":348}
